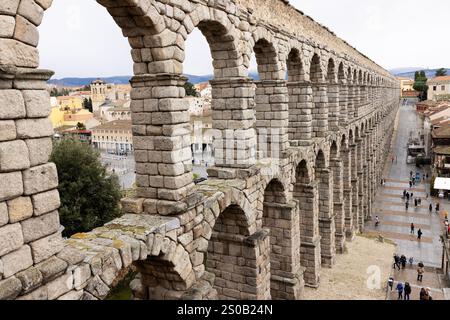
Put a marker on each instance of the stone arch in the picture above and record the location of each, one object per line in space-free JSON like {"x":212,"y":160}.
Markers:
{"x":305,"y":193}
{"x":298,"y":90}
{"x":282,"y":219}
{"x":319,"y":96}
{"x":337,"y":169}
{"x":222,"y":39}
{"x":333,"y":95}
{"x":343,"y":94}
{"x":324,"y":181}
{"x":234,"y":257}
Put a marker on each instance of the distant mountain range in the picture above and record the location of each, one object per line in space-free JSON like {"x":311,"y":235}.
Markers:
{"x":409,"y":72}
{"x":80,"y":82}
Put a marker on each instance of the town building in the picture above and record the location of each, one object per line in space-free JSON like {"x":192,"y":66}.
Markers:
{"x":113,"y":137}
{"x":71,"y":103}
{"x":101,"y":91}
{"x":115,"y":110}
{"x":439,"y":88}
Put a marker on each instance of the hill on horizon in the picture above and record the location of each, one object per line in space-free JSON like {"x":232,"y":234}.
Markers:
{"x":83,"y":81}
{"x":430,"y":73}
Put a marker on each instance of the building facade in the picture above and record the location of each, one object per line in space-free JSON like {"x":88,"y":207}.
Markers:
{"x":439,"y":88}
{"x":113,"y":137}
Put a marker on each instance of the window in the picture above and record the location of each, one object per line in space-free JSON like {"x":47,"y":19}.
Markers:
{"x":434,"y":88}
{"x":443,"y":88}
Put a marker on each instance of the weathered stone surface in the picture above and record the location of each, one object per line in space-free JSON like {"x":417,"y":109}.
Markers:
{"x":39,"y":179}
{"x":72,"y":295}
{"x":97,"y":287}
{"x":46,"y":247}
{"x":10,"y":185}
{"x":3,"y":214}
{"x":60,"y":286}
{"x":20,"y":209}
{"x":37,"y":103}
{"x":26,"y":32}
{"x":9,"y":6}
{"x":13,"y":52}
{"x":30,"y":278}
{"x":51,"y":268}
{"x":38,"y":294}
{"x":31,"y":10}
{"x":11,"y":238}
{"x":13,"y":106}
{"x":10,"y":288}
{"x":16,"y":261}
{"x":34,"y":128}
{"x":71,"y":255}
{"x":39,"y":150}
{"x":81,"y":275}
{"x":45,"y":4}
{"x":39,"y":227}
{"x":46,"y":202}
{"x":7,"y":24}
{"x":13,"y":156}
{"x":7,"y":130}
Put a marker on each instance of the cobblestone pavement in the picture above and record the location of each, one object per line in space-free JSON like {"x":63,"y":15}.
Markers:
{"x":431,"y":279}
{"x":395,"y":220}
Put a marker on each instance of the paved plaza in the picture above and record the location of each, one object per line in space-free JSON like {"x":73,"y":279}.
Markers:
{"x":395,"y":220}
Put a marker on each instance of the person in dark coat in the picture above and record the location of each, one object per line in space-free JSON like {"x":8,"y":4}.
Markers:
{"x":430,"y":208}
{"x":419,"y":234}
{"x":412,"y":228}
{"x":407,"y":290}
{"x":391,"y":283}
{"x":400,"y":290}
{"x":403,"y":261}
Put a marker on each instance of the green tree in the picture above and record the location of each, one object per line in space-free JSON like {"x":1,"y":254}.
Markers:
{"x":442,"y":72}
{"x":89,"y":197}
{"x":420,"y":84}
{"x":190,"y":89}
{"x":81,"y":126}
{"x":87,"y":104}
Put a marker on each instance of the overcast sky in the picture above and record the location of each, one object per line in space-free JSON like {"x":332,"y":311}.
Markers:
{"x":78,"y":37}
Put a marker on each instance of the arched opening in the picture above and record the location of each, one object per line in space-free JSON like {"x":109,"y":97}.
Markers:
{"x":320,"y":98}
{"x":300,"y":116}
{"x":333,"y":95}
{"x":239,"y":261}
{"x":282,"y":219}
{"x":337,"y":168}
{"x":271,"y":102}
{"x":343,"y":95}
{"x":346,"y":158}
{"x":306,"y":194}
{"x":326,"y":216}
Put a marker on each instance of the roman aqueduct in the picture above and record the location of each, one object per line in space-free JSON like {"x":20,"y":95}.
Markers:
{"x":264,"y":223}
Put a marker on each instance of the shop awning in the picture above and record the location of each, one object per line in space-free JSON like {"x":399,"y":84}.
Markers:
{"x":442,"y":184}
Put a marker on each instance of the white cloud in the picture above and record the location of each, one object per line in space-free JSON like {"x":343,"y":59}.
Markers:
{"x":79,"y":38}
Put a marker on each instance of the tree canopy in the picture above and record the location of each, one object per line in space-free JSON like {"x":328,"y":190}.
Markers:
{"x":89,"y":197}
{"x":420,"y":84}
{"x":190,"y":89}
{"x":441,"y":72}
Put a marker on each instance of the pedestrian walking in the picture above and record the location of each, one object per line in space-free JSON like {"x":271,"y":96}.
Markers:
{"x":410,"y":184}
{"x":396,"y":262}
{"x":428,"y":292}
{"x":410,"y":174}
{"x":437,"y":207}
{"x":423,"y":294}
{"x":419,"y":234}
{"x":403,"y":261}
{"x":420,"y":201}
{"x":404,"y":193}
{"x":400,"y":290}
{"x":427,"y":176}
{"x":412,"y":195}
{"x":412,"y":228}
{"x":406,"y":205}
{"x":391,"y":283}
{"x":415,"y":202}
{"x":411,"y":261}
{"x":420,"y":272}
{"x":430,"y":208}
{"x":407,"y":290}
{"x":407,"y":196}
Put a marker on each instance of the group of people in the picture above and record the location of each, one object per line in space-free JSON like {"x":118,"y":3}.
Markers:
{"x":404,"y":290}
{"x":419,"y":232}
